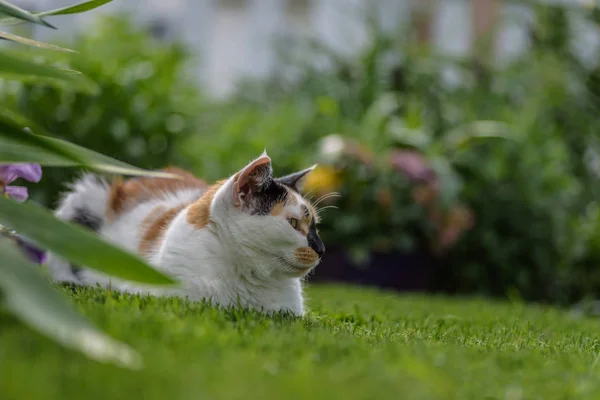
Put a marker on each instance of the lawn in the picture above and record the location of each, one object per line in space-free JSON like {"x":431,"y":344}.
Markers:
{"x":356,"y":343}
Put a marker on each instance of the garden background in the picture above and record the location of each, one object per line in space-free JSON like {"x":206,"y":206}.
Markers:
{"x":410,"y":89}
{"x":461,"y":136}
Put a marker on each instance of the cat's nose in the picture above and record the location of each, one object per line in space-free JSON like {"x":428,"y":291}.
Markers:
{"x":320,"y":251}
{"x":315,"y":243}
{"x":317,"y":246}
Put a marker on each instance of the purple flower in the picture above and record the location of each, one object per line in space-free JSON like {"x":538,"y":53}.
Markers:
{"x":11,"y":172}
{"x":32,"y":173}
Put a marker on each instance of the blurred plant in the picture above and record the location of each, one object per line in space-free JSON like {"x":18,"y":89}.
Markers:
{"x":23,"y":289}
{"x":143,"y":109}
{"x":413,"y":196}
{"x":373,"y":210}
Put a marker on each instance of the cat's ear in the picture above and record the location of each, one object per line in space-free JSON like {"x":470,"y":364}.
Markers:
{"x":297,"y":179}
{"x":252,"y":179}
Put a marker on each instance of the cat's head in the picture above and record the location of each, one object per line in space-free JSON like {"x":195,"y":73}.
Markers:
{"x":269,"y":218}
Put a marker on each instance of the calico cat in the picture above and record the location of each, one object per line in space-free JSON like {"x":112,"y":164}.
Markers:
{"x":246,"y":240}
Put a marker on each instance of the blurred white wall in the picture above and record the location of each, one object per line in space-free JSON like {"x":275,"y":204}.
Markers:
{"x":234,"y":37}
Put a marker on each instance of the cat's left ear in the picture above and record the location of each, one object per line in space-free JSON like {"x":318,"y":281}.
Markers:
{"x":252,"y":179}
{"x":297,"y":179}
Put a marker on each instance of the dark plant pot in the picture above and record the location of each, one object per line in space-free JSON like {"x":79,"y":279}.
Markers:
{"x":412,"y":271}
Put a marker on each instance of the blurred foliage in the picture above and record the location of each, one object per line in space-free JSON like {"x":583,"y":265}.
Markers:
{"x":27,"y":231}
{"x":146,"y":105}
{"x":503,"y":216}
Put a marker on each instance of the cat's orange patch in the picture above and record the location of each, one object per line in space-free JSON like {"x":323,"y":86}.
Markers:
{"x":277,"y":209}
{"x":125,"y":194}
{"x":305,"y":226}
{"x":306,"y":255}
{"x":290,"y":200}
{"x":199,"y":213}
{"x":152,"y":216}
{"x":155,"y":229}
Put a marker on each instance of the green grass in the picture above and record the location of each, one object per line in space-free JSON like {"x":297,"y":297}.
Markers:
{"x":357,"y":343}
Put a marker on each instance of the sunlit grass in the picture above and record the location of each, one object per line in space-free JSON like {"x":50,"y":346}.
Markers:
{"x":356,"y":343}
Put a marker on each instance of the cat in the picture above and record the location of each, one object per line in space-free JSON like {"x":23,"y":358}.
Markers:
{"x":247,"y":240}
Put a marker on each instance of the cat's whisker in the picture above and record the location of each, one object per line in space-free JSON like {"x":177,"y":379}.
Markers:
{"x":330,"y":194}
{"x":317,"y":205}
{"x":309,"y":195}
{"x":325,"y":208}
{"x":325,"y":197}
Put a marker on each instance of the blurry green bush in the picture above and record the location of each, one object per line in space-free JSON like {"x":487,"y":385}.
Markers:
{"x":146,"y":106}
{"x":503,"y":216}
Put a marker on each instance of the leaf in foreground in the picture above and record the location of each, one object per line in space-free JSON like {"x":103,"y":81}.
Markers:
{"x":31,"y":42}
{"x":74,"y":9}
{"x":76,"y":243}
{"x":18,"y":13}
{"x":18,"y":67}
{"x":30,"y":298}
{"x":18,"y":146}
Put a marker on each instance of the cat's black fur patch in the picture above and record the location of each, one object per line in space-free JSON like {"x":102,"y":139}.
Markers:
{"x":269,"y":195}
{"x":84,"y":218}
{"x":87,"y":220}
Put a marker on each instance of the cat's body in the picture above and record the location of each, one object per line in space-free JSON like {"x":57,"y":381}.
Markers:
{"x":247,"y":240}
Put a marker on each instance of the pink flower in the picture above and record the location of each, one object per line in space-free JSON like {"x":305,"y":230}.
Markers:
{"x":11,"y":172}
{"x":412,"y":164}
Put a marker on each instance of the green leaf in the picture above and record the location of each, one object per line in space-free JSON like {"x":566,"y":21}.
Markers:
{"x":75,"y":243}
{"x":31,"y":42}
{"x":17,"y":12}
{"x":27,"y":295}
{"x":405,"y":136}
{"x":377,"y":114}
{"x":14,"y":140}
{"x":17,"y":145}
{"x":75,"y":9}
{"x":12,"y":64}
{"x":467,"y":135}
{"x":16,"y":67}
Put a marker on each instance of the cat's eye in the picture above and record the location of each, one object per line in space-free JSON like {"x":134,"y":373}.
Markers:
{"x":294,"y":223}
